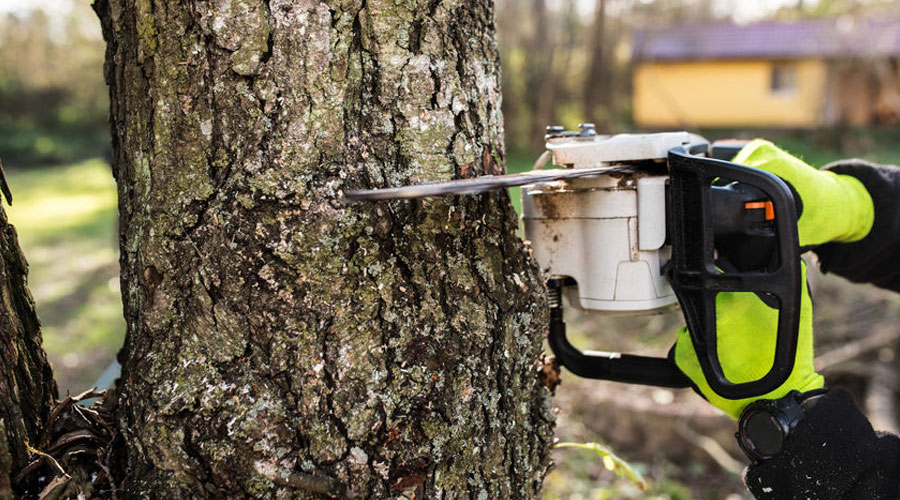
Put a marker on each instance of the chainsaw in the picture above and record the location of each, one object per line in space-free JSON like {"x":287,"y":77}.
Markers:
{"x":637,"y":223}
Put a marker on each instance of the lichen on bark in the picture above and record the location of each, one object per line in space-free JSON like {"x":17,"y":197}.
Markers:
{"x":280,"y":343}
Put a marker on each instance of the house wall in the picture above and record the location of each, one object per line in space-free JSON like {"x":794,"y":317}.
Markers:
{"x":727,"y":94}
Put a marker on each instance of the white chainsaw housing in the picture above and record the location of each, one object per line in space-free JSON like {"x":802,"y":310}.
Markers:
{"x":606,"y":233}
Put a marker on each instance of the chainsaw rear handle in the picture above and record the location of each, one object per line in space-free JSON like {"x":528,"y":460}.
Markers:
{"x":696,"y":279}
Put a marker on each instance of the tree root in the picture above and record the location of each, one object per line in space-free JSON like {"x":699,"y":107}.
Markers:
{"x":72,"y":458}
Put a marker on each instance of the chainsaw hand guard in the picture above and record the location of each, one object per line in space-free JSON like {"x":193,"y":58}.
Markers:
{"x":697,"y":272}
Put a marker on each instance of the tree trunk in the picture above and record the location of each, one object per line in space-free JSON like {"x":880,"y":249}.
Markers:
{"x":27,"y":389}
{"x":281,"y":344}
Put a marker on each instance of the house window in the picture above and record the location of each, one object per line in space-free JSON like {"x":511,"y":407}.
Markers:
{"x":784,"y":78}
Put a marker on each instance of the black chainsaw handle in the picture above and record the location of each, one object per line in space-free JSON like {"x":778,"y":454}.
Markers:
{"x":628,"y":368}
{"x":697,"y":280}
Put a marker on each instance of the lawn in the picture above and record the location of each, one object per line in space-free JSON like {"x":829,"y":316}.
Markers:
{"x":66,"y":220}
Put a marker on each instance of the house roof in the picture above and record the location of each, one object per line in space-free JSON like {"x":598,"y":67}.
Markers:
{"x":832,"y":38}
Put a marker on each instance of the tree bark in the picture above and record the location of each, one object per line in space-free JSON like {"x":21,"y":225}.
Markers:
{"x":281,"y":344}
{"x":27,"y":388}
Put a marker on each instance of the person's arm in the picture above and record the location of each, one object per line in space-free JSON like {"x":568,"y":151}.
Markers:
{"x":873,"y":259}
{"x":832,"y":454}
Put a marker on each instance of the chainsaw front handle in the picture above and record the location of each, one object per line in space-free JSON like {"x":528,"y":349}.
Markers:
{"x":697,"y":279}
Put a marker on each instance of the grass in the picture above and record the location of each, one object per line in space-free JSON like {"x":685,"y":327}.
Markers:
{"x":66,"y":220}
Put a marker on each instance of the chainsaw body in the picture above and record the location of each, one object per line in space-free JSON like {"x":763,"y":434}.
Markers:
{"x":607,"y":234}
{"x":635,"y":224}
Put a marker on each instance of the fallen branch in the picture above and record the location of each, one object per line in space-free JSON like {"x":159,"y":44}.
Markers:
{"x":851,"y":350}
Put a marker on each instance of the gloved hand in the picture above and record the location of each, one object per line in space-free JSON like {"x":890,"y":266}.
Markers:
{"x":835,"y":208}
{"x":746,"y":329}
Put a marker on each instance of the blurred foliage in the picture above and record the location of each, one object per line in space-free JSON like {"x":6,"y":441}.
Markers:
{"x":53,"y":102}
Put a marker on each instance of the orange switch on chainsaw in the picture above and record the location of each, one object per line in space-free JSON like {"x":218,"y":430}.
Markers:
{"x":770,"y":209}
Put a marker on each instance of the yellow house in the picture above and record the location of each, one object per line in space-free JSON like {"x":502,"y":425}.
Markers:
{"x":797,"y":75}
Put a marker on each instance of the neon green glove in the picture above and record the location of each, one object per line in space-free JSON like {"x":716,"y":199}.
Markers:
{"x":835,"y":207}
{"x":746,"y":329}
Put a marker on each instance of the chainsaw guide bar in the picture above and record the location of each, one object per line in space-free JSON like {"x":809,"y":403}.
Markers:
{"x":479,"y":184}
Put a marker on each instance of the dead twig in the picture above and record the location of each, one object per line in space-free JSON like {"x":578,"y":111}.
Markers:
{"x":57,"y":489}
{"x":112,"y":492}
{"x":88,"y":394}
{"x":49,"y":459}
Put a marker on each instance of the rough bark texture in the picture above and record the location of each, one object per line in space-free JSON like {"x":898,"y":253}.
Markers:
{"x":6,"y":491}
{"x":281,"y":344}
{"x":27,"y":388}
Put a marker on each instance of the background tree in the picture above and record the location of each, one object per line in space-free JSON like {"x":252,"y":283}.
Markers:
{"x":597,"y":81}
{"x":277,"y":338}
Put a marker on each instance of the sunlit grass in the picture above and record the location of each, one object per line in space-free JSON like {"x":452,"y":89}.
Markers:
{"x":65,"y":217}
{"x":56,"y":203}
